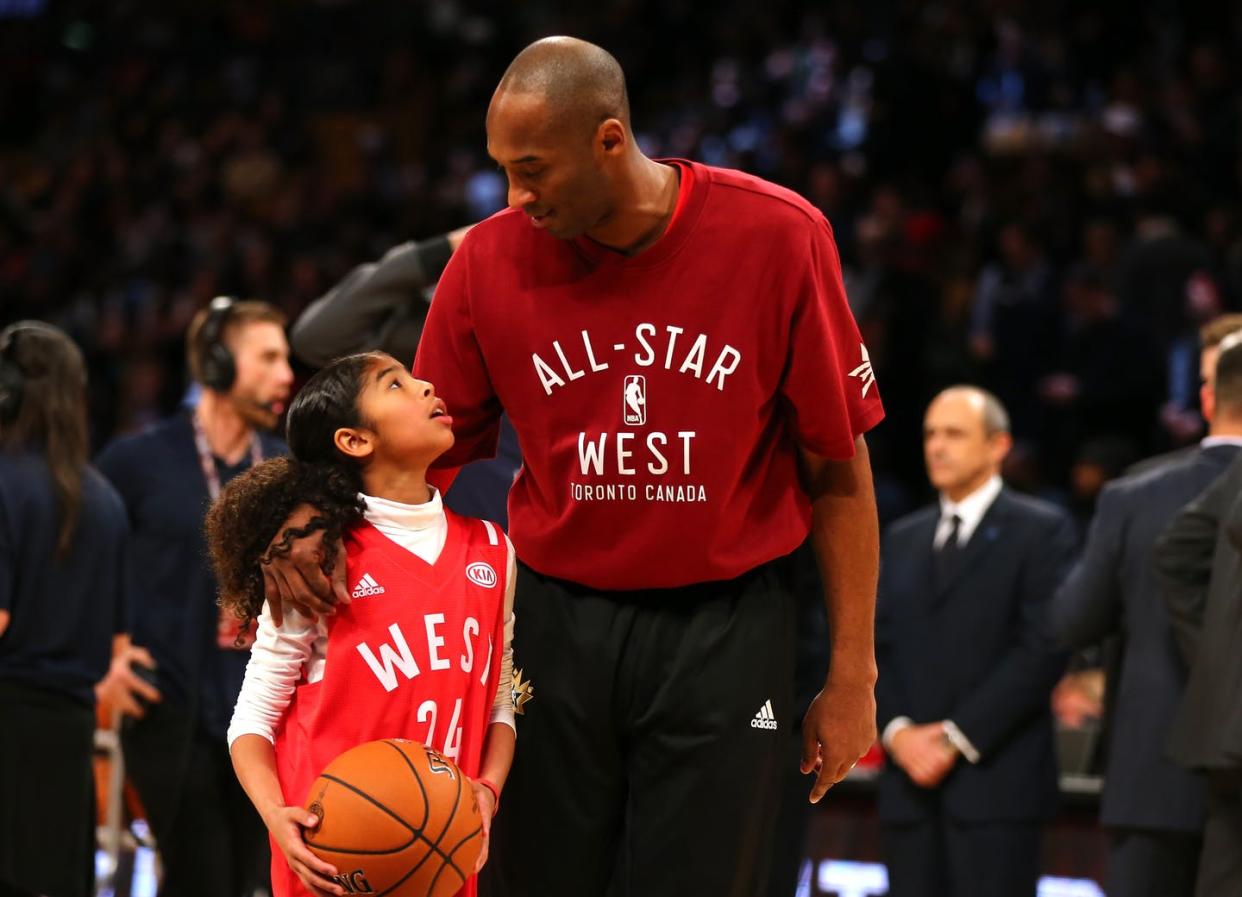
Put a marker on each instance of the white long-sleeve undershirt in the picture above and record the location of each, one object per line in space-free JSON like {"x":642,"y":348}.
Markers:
{"x":280,"y":654}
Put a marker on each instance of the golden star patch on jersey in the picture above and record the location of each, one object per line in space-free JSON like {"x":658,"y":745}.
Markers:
{"x":522,"y":691}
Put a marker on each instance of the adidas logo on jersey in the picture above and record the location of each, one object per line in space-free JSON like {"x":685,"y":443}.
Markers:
{"x":765,"y":718}
{"x":367,"y":586}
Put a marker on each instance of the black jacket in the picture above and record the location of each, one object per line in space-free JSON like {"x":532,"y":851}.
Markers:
{"x":1113,"y":590}
{"x":1200,"y":569}
{"x":976,"y":650}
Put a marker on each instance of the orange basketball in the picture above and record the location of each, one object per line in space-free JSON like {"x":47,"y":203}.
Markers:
{"x":397,"y":819}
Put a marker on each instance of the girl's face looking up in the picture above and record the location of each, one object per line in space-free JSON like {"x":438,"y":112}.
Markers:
{"x":405,"y":424}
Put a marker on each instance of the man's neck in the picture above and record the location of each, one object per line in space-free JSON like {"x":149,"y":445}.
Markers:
{"x":1225,"y":428}
{"x":648,"y":192}
{"x":959,"y":494}
{"x":228,"y":434}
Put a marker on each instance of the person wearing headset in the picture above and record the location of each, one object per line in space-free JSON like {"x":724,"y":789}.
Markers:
{"x":62,"y":601}
{"x":178,"y":680}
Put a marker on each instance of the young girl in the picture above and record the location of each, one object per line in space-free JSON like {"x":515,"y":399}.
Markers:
{"x":422,"y":651}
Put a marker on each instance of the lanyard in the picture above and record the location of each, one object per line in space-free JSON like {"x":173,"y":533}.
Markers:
{"x":208,"y":462}
{"x":227,"y":626}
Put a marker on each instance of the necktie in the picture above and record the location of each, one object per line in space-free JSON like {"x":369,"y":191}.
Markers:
{"x":949,"y":552}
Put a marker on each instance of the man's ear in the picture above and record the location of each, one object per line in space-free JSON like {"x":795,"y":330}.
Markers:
{"x":610,"y":136}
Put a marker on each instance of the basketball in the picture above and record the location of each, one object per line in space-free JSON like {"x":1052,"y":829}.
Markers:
{"x":396,"y":818}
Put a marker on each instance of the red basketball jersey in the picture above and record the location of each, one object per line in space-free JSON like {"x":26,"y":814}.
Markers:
{"x":417,"y":655}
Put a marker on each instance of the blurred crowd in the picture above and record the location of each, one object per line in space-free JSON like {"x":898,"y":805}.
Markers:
{"x":1045,"y":199}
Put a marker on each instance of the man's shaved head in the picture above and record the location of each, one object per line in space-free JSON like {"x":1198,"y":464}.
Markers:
{"x":580,"y":83}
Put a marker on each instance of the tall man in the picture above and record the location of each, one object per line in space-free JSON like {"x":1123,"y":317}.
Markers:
{"x":967,"y":666}
{"x":1199,"y":562}
{"x":209,"y":836}
{"x":1152,"y":808}
{"x":670,"y":341}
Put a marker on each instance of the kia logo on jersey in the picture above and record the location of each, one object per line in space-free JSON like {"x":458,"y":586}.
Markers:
{"x":634,"y":400}
{"x":481,"y":574}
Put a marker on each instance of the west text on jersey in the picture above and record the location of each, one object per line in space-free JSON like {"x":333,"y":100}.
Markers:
{"x":594,"y":456}
{"x":398,"y":657}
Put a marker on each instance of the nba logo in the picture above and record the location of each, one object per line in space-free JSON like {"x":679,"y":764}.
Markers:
{"x":634,"y":400}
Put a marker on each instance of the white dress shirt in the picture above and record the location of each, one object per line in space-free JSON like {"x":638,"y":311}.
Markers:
{"x":969,"y":510}
{"x":1213,"y":441}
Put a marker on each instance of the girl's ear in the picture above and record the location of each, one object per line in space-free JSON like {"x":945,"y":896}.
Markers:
{"x":354,"y":443}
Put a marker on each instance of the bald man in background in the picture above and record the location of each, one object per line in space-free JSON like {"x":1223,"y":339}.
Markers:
{"x":673,"y":345}
{"x":967,"y":666}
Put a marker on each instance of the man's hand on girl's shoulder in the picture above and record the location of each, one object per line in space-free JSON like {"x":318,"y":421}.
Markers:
{"x":294,"y":578}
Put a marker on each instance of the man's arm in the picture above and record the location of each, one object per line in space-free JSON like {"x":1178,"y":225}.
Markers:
{"x":918,"y":749}
{"x":1021,"y":684}
{"x":891,"y":701}
{"x":1087,"y":606}
{"x":1233,"y":523}
{"x":1182,"y":559}
{"x":840,"y":725}
{"x":122,"y":688}
{"x":353,"y":315}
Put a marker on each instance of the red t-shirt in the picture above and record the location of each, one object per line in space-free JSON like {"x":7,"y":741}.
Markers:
{"x":417,"y":656}
{"x":659,"y":400}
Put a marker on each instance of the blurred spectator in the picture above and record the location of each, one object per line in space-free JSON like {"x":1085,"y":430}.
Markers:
{"x":1014,"y":323}
{"x":1104,"y":382}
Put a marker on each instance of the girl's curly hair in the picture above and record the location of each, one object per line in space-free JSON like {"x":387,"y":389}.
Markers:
{"x":244,"y":523}
{"x":245,"y":520}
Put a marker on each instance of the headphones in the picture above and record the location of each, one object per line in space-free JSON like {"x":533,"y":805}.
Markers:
{"x":12,"y":380}
{"x":218,"y":368}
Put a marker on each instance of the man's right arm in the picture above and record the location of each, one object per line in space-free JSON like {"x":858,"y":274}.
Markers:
{"x":1087,"y":606}
{"x":353,"y":315}
{"x":122,"y":688}
{"x":1182,"y":559}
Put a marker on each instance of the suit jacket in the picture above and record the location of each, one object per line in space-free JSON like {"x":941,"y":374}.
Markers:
{"x":1200,"y":570}
{"x":975,"y":649}
{"x":1113,"y":590}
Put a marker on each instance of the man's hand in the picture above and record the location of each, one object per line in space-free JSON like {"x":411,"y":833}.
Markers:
{"x":923,"y":753}
{"x":839,"y":728}
{"x":122,"y":688}
{"x":296,"y":580}
{"x":1079,"y":697}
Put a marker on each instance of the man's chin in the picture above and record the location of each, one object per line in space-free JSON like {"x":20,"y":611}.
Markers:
{"x":259,"y":418}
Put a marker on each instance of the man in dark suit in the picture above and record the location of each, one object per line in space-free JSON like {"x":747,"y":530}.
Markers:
{"x":1199,"y":562}
{"x":967,"y":666}
{"x":1153,"y":808}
